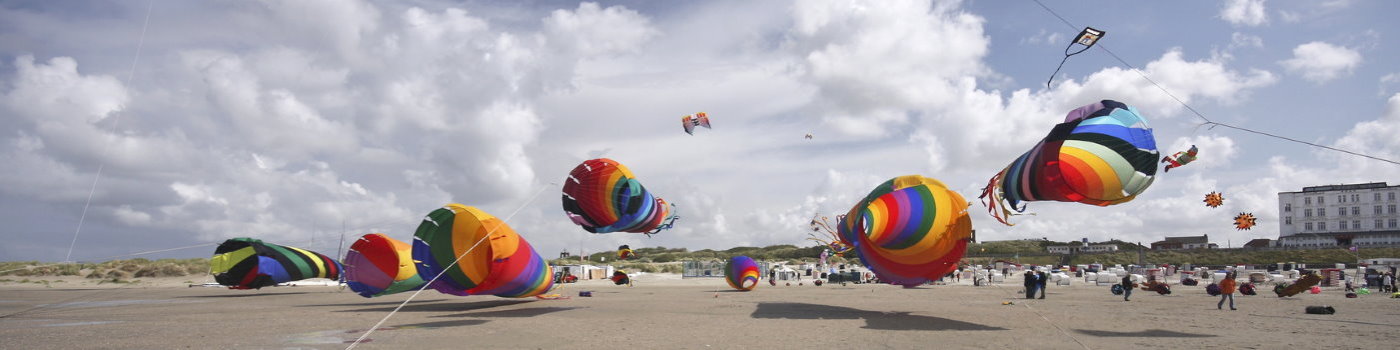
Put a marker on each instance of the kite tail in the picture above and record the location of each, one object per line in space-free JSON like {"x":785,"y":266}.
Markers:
{"x":992,"y":199}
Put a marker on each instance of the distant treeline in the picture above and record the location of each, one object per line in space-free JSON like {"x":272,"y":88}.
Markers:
{"x":114,"y":270}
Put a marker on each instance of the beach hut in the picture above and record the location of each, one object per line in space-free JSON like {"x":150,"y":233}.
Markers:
{"x":1259,"y":277}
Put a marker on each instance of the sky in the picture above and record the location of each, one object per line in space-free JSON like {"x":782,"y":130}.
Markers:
{"x":299,"y":122}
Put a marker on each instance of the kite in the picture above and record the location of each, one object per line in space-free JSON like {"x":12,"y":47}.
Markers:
{"x":1179,"y":159}
{"x":247,"y":263}
{"x":741,"y":272}
{"x":909,"y":230}
{"x":620,"y":277}
{"x":478,"y":254}
{"x":830,"y":238}
{"x":1214,"y":199}
{"x":1086,"y":38}
{"x":690,"y":122}
{"x":378,"y":265}
{"x":809,"y":136}
{"x":625,"y":253}
{"x":602,"y":196}
{"x":1102,"y":154}
{"x":1244,"y":221}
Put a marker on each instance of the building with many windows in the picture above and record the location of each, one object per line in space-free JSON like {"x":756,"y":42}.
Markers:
{"x":1340,"y":215}
{"x":1187,"y":242}
{"x":1082,"y":248}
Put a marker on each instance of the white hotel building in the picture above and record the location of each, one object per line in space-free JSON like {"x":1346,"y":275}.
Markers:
{"x":1340,"y":216}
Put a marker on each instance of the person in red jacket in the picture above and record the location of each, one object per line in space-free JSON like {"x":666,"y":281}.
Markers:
{"x":1227,"y":291}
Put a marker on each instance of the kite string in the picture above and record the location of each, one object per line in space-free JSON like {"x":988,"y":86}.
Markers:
{"x":1192,"y":109}
{"x":1042,"y":316}
{"x":116,"y":120}
{"x":444,"y":270}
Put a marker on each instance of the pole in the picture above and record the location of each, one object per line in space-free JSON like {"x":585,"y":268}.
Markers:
{"x":342,"y":240}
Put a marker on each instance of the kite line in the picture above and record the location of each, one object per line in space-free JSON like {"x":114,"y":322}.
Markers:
{"x":1198,"y":114}
{"x":102,"y":161}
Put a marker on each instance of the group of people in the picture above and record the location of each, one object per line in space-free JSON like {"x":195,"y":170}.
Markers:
{"x":1035,"y":282}
{"x":1387,"y":283}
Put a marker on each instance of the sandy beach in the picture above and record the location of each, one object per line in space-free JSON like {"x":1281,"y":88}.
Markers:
{"x":665,"y":311}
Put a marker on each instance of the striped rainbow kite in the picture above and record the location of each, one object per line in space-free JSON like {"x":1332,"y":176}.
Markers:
{"x":1103,"y":154}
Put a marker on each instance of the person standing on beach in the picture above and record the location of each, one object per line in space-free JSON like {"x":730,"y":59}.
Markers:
{"x":1127,"y":286}
{"x":1040,"y":282}
{"x":1227,"y":291}
{"x":1030,"y":284}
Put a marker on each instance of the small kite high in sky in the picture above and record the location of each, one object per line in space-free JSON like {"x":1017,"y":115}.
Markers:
{"x":1086,"y":38}
{"x":689,"y":122}
{"x":247,"y":263}
{"x":1179,"y":158}
{"x":741,"y":272}
{"x":1102,"y":154}
{"x":1244,"y":221}
{"x":1214,"y":199}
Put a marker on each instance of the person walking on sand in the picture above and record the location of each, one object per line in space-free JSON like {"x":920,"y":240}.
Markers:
{"x":1127,"y":286}
{"x":1387,"y":283}
{"x":1227,"y":291}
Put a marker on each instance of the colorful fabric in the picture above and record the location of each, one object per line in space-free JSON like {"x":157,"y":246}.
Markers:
{"x":1103,"y":154}
{"x":699,"y":119}
{"x":601,"y":195}
{"x":480,"y":254}
{"x":247,"y":263}
{"x":378,"y":265}
{"x":909,"y":230}
{"x":741,"y":272}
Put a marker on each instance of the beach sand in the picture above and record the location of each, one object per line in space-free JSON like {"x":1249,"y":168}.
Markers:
{"x":665,"y":311}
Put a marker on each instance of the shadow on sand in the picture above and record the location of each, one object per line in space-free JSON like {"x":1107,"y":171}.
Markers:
{"x":394,"y":303}
{"x":1158,"y":333}
{"x":527,"y":312}
{"x":442,"y":324}
{"x":899,"y":321}
{"x":1324,"y":320}
{"x":441,"y":307}
{"x":241,"y":295}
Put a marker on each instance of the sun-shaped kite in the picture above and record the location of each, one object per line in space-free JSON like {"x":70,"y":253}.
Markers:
{"x":1214,"y":199}
{"x":1244,"y":221}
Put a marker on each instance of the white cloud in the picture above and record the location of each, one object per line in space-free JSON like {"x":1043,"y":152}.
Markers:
{"x":1245,"y":12}
{"x":1238,"y":40}
{"x":1374,"y":137}
{"x":380,"y":113}
{"x":1388,"y":80}
{"x":1044,"y":37}
{"x":1320,"y":62}
{"x":872,"y":62}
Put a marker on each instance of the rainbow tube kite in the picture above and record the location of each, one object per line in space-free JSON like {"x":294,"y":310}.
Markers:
{"x":497,"y":261}
{"x":378,"y":265}
{"x":741,"y":273}
{"x":246,"y":263}
{"x":909,"y":230}
{"x":602,"y":196}
{"x":1103,"y":154}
